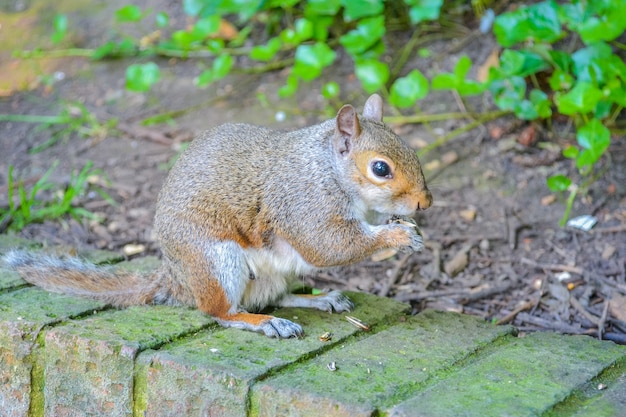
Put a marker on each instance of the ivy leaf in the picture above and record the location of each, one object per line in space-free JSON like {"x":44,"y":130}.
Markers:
{"x":560,"y":80}
{"x":456,"y":81}
{"x":407,"y":90}
{"x":60,"y":28}
{"x":423,"y":10}
{"x":539,"y":23}
{"x":367,"y":33}
{"x":162,"y":19}
{"x":571,"y":152}
{"x":583,"y":98}
{"x":372,"y":73}
{"x":558,"y":183}
{"x":220,"y":68}
{"x":140,"y":77}
{"x":541,"y":103}
{"x":330,"y":90}
{"x":594,"y":138}
{"x":322,"y":7}
{"x":356,"y":9}
{"x":290,"y":88}
{"x":311,"y":59}
{"x":266,"y":52}
{"x":128,"y":13}
{"x":205,"y":27}
{"x":593,"y":63}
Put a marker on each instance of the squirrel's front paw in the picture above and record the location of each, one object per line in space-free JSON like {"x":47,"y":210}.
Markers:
{"x":408,"y":235}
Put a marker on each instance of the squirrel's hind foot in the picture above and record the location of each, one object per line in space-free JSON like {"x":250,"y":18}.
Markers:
{"x":269,"y":325}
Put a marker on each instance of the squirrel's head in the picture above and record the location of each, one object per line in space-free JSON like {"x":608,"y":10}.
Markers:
{"x":387,"y":173}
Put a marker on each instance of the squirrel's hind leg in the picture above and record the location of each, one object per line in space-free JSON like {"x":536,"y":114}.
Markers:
{"x":332,"y":301}
{"x":218,"y":279}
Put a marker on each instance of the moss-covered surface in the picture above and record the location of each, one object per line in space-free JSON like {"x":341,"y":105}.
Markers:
{"x":210,"y":373}
{"x":90,"y":363}
{"x":24,"y":313}
{"x":378,"y":371}
{"x":525,"y":377}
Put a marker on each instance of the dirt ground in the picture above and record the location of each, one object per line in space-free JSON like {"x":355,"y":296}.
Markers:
{"x":494,"y":247}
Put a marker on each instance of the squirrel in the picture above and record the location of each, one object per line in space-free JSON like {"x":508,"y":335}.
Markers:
{"x":246,"y":209}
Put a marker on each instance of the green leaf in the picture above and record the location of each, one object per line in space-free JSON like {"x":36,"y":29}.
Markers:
{"x":304,"y":29}
{"x":311,"y":59}
{"x":593,"y":63}
{"x":222,"y":65}
{"x":220,"y":68}
{"x":322,"y":7}
{"x":457,"y":81}
{"x":367,"y":33}
{"x":128,"y":13}
{"x":290,"y":88}
{"x":140,"y":77}
{"x":509,"y":92}
{"x":594,"y":138}
{"x":60,"y":28}
{"x":330,"y":90}
{"x":373,"y":74}
{"x":522,"y":62}
{"x":557,"y":183}
{"x":539,"y":23}
{"x":561,"y":80}
{"x":205,"y":27}
{"x":571,"y":152}
{"x":423,"y":10}
{"x":583,"y":98}
{"x":407,"y":90}
{"x":183,"y":39}
{"x":193,"y":7}
{"x":266,"y":52}
{"x":541,"y":103}
{"x":356,"y":9}
{"x":162,"y":19}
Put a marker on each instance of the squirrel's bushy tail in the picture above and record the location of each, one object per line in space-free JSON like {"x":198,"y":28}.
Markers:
{"x":74,"y":276}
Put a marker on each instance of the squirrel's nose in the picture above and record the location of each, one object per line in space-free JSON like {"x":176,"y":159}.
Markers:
{"x":424,"y":200}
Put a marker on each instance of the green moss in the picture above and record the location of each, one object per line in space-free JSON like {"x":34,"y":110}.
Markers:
{"x":37,"y":378}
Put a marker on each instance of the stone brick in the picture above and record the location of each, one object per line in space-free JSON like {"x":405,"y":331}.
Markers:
{"x":24,"y":314}
{"x":89,"y":364}
{"x":524,"y":377}
{"x":211,"y":374}
{"x":376,"y":372}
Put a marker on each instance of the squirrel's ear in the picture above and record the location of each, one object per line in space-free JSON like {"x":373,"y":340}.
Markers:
{"x":348,"y":129}
{"x":374,"y":108}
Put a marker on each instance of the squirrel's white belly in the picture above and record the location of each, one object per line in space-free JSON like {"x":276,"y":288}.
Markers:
{"x":272,"y":270}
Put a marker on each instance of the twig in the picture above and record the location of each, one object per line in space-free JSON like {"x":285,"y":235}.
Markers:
{"x":553,"y":267}
{"x":579,"y":307}
{"x":612,"y":229}
{"x":550,"y":325}
{"x":509,"y":317}
{"x":394,"y":275}
{"x":602,"y":322}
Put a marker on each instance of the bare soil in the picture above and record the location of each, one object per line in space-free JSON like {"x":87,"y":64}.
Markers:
{"x":494,"y":247}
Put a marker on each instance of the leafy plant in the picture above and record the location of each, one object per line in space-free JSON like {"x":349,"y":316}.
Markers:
{"x":26,"y":206}
{"x":74,"y":118}
{"x":588,"y":84}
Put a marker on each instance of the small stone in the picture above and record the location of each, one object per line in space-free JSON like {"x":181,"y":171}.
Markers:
{"x":133,"y":249}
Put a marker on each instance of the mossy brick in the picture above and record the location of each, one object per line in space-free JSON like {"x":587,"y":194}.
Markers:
{"x":89,"y":364}
{"x":8,"y":242}
{"x":10,"y":280}
{"x":23,"y":315}
{"x":376,"y":372}
{"x":524,"y":377}
{"x":603,"y":396}
{"x":211,"y":374}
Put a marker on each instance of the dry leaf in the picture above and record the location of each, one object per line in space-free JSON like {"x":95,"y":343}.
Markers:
{"x":132,"y":249}
{"x":383,"y":254}
{"x":469,"y":214}
{"x":547,"y":200}
{"x":493,"y":60}
{"x":458,"y":262}
{"x":528,"y":136}
{"x":449,"y":158}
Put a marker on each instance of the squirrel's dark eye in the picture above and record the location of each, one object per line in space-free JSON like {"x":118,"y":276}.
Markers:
{"x":381,"y":169}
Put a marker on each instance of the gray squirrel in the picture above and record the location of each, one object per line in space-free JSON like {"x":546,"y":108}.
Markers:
{"x":247,"y":209}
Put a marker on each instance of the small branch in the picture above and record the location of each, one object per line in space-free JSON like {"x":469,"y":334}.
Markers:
{"x":579,"y":307}
{"x":553,"y":267}
{"x":511,"y":316}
